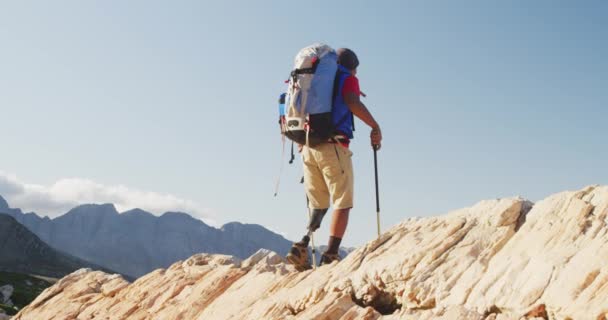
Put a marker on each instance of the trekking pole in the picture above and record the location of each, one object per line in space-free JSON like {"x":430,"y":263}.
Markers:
{"x":377,"y":193}
{"x":311,"y":235}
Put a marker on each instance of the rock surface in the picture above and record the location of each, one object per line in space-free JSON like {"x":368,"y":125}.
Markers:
{"x":498,"y":260}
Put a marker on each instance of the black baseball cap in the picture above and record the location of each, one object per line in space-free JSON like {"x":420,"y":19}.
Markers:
{"x":347,"y":58}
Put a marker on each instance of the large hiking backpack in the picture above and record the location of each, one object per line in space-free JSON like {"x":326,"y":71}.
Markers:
{"x":309,"y":98}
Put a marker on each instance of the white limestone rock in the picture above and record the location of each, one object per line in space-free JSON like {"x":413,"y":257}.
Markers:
{"x":503,"y":259}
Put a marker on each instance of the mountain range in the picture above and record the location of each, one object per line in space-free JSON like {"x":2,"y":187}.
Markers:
{"x":22,"y":251}
{"x":136,"y":242}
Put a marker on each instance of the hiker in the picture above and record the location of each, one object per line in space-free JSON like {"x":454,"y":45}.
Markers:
{"x":328,"y":171}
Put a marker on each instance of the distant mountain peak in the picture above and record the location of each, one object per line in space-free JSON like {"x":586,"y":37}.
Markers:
{"x":170,"y":214}
{"x":235,"y":225}
{"x":103,"y":209}
{"x":3,"y":204}
{"x":137,"y":212}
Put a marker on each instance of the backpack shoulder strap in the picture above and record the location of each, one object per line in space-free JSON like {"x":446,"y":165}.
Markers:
{"x":339,"y":81}
{"x":341,"y":76}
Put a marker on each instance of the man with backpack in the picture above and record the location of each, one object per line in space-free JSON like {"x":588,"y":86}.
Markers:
{"x":328,"y":171}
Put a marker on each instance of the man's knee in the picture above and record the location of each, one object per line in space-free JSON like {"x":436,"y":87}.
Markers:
{"x":341,"y":215}
{"x":342,"y":212}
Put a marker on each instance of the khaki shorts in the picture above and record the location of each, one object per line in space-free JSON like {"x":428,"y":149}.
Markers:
{"x":328,"y":173}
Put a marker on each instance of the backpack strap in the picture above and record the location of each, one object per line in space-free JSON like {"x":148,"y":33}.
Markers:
{"x":338,"y":81}
{"x":341,"y":76}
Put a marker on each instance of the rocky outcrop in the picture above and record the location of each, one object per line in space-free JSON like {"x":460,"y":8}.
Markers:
{"x":497,"y":260}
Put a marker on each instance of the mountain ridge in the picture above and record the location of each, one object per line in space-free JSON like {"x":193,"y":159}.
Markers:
{"x":136,"y":241}
{"x":24,"y":252}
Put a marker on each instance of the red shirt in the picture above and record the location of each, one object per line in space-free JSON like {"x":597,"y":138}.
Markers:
{"x":351,"y":84}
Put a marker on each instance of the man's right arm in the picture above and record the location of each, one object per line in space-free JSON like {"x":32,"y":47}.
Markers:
{"x":353,"y":101}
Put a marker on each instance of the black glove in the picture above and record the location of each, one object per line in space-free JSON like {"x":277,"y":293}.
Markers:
{"x":315,"y":220}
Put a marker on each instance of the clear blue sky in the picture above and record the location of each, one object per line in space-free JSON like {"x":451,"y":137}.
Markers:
{"x":476,"y":100}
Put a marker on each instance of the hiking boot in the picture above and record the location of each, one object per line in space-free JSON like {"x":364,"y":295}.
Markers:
{"x":328,"y":258}
{"x":298,"y":256}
